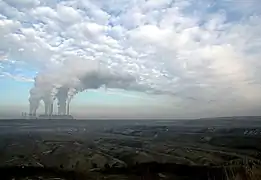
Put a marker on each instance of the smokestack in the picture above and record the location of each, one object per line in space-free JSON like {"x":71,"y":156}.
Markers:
{"x":45,"y":108}
{"x":30,"y":110}
{"x":34,"y":113}
{"x":59,"y":108}
{"x":62,"y":95}
{"x":68,"y":108}
{"x":62,"y":108}
{"x":51,"y":110}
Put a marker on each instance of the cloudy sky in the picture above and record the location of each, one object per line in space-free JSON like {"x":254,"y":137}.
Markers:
{"x":203,"y":57}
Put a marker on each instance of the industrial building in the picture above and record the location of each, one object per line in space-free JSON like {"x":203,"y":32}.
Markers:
{"x":63,"y":111}
{"x":63,"y":99}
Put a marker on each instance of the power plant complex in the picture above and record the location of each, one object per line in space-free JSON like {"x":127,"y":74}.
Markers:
{"x":64,"y":83}
{"x":63,"y":104}
{"x":63,"y":112}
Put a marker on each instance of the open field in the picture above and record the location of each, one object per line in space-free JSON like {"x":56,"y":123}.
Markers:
{"x":218,"y":148}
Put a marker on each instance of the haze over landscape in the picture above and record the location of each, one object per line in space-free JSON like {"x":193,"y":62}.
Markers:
{"x":131,"y":59}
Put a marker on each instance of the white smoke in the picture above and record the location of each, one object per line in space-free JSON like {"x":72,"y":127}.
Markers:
{"x":71,"y":93}
{"x":79,"y":75}
{"x":69,"y":79}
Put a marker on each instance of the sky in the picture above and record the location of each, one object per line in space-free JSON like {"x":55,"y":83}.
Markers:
{"x":186,"y":58}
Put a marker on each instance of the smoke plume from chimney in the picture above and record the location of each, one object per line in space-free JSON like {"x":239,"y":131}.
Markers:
{"x":76,"y":76}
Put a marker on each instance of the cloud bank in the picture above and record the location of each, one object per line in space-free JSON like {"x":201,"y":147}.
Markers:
{"x":199,"y":51}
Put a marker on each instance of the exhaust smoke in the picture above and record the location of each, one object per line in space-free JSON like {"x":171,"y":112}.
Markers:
{"x":76,"y":76}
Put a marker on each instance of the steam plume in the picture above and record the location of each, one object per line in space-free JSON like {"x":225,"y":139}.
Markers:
{"x":76,"y":76}
{"x":62,"y":96}
{"x":63,"y":83}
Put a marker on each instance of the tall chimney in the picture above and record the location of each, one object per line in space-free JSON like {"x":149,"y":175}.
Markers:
{"x":51,"y":109}
{"x":30,"y":109}
{"x":46,"y":108}
{"x":59,"y":108}
{"x":68,"y":108}
{"x":34,"y":113}
{"x":64,"y":108}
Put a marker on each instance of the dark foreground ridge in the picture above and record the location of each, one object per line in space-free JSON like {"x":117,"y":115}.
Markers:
{"x":152,"y":170}
{"x":22,"y":173}
{"x":179,"y":171}
{"x":205,"y":149}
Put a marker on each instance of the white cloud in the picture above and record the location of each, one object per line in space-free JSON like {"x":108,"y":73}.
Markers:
{"x":23,"y":4}
{"x":197,"y":50}
{"x":68,"y":14}
{"x":17,"y":77}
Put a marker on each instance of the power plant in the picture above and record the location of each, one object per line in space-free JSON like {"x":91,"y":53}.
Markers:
{"x":65,"y":82}
{"x":63,"y":112}
{"x":63,"y":104}
{"x":63,"y":109}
